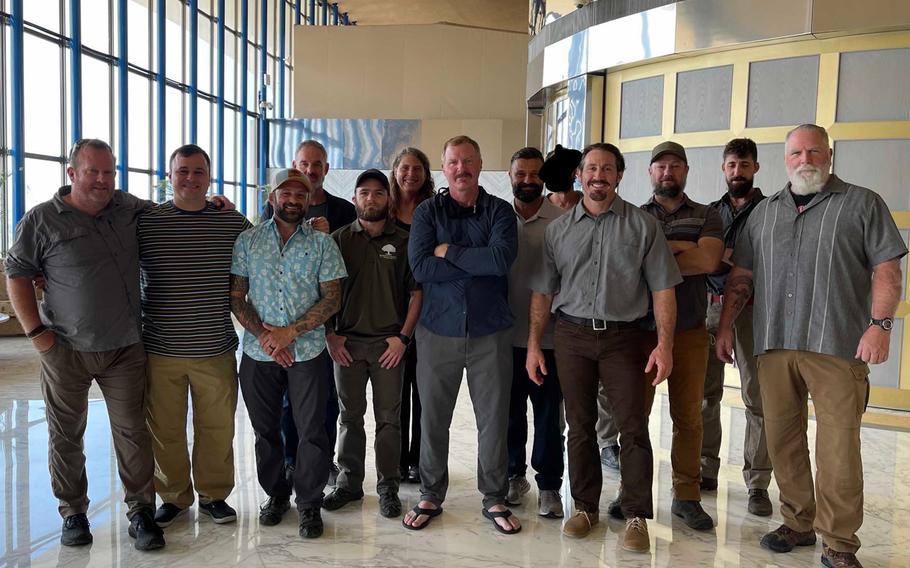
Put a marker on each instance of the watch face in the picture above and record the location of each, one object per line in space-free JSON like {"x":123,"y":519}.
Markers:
{"x":887,"y":324}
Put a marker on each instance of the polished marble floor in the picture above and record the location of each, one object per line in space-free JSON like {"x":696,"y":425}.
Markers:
{"x":358,"y":536}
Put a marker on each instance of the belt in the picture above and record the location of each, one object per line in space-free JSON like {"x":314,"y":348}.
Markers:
{"x":597,"y":324}
{"x":719,"y":299}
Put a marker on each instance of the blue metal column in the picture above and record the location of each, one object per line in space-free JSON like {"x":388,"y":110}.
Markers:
{"x":263,"y":125}
{"x":312,"y":14}
{"x":192,"y":80}
{"x":76,"y":69}
{"x":244,"y":87}
{"x":17,"y":111}
{"x":279,"y":86}
{"x":219,"y":103}
{"x":334,"y":13}
{"x":344,"y":18}
{"x":325,"y":12}
{"x":297,"y":8}
{"x":123,"y":76}
{"x":161,"y":92}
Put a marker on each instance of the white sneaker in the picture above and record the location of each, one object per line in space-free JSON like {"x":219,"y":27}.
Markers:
{"x":549,"y":504}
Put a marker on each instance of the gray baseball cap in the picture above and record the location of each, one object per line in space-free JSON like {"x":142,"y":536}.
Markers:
{"x":669,"y":148}
{"x":288,"y":175}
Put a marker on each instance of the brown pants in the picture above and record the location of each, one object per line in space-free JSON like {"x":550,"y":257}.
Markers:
{"x":686,"y":386}
{"x":616,"y":358}
{"x":66,"y":376}
{"x":840,"y":391}
{"x":212,"y":381}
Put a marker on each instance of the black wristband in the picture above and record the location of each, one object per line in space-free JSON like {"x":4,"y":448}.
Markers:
{"x":404,"y":338}
{"x":36,"y":332}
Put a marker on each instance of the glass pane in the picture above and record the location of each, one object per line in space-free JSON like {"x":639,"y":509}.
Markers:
{"x":230,"y":18}
{"x":141,"y":185}
{"x":43,"y":129}
{"x":95,"y":19}
{"x":96,"y":99}
{"x":138,"y":41}
{"x":230,"y":145}
{"x":45,"y":13}
{"x":230,"y":191}
{"x":174,"y":56}
{"x":204,"y":68}
{"x":42,"y":179}
{"x":230,"y":67}
{"x":252,"y":83}
{"x":272,"y":27}
{"x":140,"y":127}
{"x":205,"y":126}
{"x":173,"y":120}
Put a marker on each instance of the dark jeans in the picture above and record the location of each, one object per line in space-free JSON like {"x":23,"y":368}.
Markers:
{"x":264,"y":384}
{"x":615,"y":357}
{"x":410,"y":411}
{"x":289,"y":430}
{"x":546,"y":452}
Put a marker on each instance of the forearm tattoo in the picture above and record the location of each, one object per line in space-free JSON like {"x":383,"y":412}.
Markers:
{"x":328,"y":304}
{"x":241,"y":308}
{"x":738,"y":291}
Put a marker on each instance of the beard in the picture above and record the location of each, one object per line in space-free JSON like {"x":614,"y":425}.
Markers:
{"x":527,"y":192}
{"x":807,"y":184}
{"x":371,"y":214}
{"x":740,"y":187}
{"x":294,"y":216}
{"x":671,"y":189}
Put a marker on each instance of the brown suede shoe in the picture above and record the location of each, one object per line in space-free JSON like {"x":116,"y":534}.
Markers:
{"x":580,"y":524}
{"x":636,"y":538}
{"x":783,"y":539}
{"x":835,"y":559}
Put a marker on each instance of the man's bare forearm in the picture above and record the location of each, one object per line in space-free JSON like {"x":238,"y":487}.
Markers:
{"x":329,"y":303}
{"x":538,"y":318}
{"x":22,"y":296}
{"x":736,"y":294}
{"x":241,"y":308}
{"x":410,"y":321}
{"x":886,"y":288}
{"x":665,"y":315}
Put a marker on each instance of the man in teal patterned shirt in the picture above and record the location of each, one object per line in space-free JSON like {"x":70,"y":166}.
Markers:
{"x":285,"y":283}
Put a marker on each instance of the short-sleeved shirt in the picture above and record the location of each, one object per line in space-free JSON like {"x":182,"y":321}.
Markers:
{"x":185,"y":260}
{"x":528,"y":264}
{"x":284,"y":280}
{"x":376,"y":293}
{"x":734,"y":220}
{"x":604,"y":267}
{"x":90,"y":267}
{"x":812,"y":270}
{"x":690,"y":222}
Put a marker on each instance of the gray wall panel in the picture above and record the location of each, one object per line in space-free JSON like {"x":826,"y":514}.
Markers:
{"x":772,"y":175}
{"x":641,"y":112}
{"x":703,"y":99}
{"x":878,"y":165}
{"x":874,"y":85}
{"x":782,"y":91}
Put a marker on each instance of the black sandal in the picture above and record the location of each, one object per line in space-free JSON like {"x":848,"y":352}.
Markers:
{"x":430,"y":513}
{"x":493,"y":515}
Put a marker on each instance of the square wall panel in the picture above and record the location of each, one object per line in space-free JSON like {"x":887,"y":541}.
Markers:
{"x":876,"y":164}
{"x":782,"y":91}
{"x":641,"y":113}
{"x":874,"y":85}
{"x":703,"y":99}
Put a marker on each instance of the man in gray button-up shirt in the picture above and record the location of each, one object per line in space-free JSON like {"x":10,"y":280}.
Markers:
{"x":824,"y":258}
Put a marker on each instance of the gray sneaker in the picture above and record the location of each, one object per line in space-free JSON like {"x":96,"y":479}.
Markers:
{"x":518,"y":486}
{"x":549,"y":504}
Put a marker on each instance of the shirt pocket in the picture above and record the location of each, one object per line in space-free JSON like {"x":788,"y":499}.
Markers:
{"x":70,"y":247}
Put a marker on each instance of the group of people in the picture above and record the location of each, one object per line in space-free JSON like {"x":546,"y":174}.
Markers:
{"x":577,"y":301}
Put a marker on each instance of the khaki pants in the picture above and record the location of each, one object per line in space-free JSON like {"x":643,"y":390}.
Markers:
{"x":840,"y":391}
{"x":212,"y":381}
{"x":66,"y":376}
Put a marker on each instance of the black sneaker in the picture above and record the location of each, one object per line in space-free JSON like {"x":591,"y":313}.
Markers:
{"x":609,"y":457}
{"x":311,"y":523}
{"x":146,"y":531}
{"x":75,"y":531}
{"x":413,"y":475}
{"x":692,"y":514}
{"x":614,"y":509}
{"x":708,"y":484}
{"x":220,"y":511}
{"x":760,"y":503}
{"x":167,"y":513}
{"x":273,"y":510}
{"x":339,"y":498}
{"x":333,"y":475}
{"x":389,"y":505}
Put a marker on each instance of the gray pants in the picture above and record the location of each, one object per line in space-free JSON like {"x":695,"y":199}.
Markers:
{"x":441,"y":362}
{"x":66,"y":376}
{"x":756,"y":463}
{"x":351,"y":383}
{"x":607,"y":432}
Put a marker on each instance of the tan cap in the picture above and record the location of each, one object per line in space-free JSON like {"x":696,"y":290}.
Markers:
{"x":669,"y":148}
{"x":288,"y":175}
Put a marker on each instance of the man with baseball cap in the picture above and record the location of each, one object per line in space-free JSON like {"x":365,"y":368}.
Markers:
{"x":380,"y":304}
{"x":285,"y":284}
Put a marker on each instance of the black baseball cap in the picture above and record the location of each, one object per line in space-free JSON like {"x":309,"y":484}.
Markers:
{"x":375,"y":174}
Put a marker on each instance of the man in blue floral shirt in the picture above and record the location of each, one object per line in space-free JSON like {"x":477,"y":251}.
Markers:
{"x":285,"y":283}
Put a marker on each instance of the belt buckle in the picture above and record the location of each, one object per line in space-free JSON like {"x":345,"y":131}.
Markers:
{"x":594,"y":324}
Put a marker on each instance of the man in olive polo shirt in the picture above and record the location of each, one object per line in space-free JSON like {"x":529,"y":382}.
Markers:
{"x":380,"y":305}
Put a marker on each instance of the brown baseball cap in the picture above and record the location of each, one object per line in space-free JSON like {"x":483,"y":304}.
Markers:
{"x":669,"y":147}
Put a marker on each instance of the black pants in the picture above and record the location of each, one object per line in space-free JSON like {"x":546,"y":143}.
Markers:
{"x":546,"y":452}
{"x":289,"y":430}
{"x":264,"y":384}
{"x":410,"y":412}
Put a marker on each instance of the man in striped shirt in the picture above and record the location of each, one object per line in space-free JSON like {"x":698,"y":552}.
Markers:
{"x":185,"y":248}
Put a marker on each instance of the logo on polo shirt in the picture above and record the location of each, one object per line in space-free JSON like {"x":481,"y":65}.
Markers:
{"x":388,"y":252}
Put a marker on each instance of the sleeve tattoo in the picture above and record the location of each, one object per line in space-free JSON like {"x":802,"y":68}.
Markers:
{"x":329,"y":303}
{"x":241,"y":307}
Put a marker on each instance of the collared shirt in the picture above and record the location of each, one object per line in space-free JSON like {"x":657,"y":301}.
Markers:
{"x":90,"y":266}
{"x":185,"y":257}
{"x":465,"y":293}
{"x":376,"y":293}
{"x":528,"y":265}
{"x":604,"y":267}
{"x":812,"y":270}
{"x":284,"y":280}
{"x":734,"y":220}
{"x":690,"y":222}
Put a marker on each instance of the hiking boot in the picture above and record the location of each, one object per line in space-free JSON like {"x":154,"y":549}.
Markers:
{"x":549,"y":504}
{"x":167,"y":513}
{"x":760,"y":503}
{"x":310,"y":523}
{"x":518,"y":486}
{"x":609,"y":457}
{"x":692,"y":514}
{"x":636,"y":537}
{"x":146,"y":531}
{"x":220,"y":511}
{"x":75,"y":531}
{"x":271,"y":512}
{"x":580,"y":524}
{"x":339,"y":498}
{"x":389,"y":505}
{"x":783,"y":539}
{"x":835,"y":559}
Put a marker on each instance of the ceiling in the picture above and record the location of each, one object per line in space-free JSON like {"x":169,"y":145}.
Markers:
{"x":511,"y":15}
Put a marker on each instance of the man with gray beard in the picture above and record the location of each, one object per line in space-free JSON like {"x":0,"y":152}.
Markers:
{"x":824,"y":256}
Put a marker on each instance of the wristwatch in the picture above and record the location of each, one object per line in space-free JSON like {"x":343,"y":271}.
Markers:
{"x":884,"y":323}
{"x":404,"y":338}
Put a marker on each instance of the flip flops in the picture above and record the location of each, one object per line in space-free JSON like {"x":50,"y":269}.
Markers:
{"x":493,"y":515}
{"x":430,"y":513}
